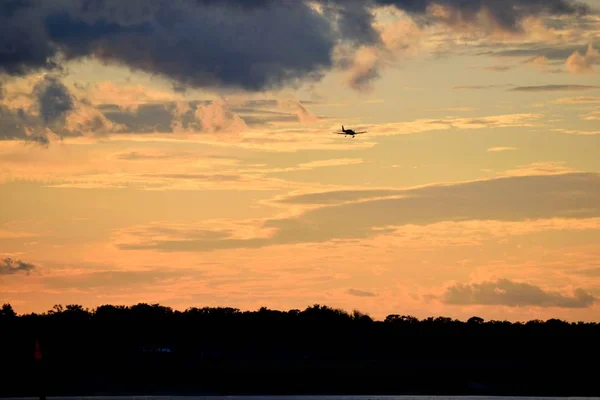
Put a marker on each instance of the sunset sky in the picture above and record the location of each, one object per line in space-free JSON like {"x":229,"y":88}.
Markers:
{"x":183,"y":153}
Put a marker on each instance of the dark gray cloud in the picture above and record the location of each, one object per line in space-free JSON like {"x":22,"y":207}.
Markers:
{"x":159,"y":117}
{"x":200,"y":43}
{"x":248,"y":44}
{"x":14,"y":125}
{"x":505,"y":292}
{"x":554,"y":88}
{"x":506,"y":199}
{"x":360,"y":293}
{"x":353,"y":18}
{"x":507,"y":14}
{"x":147,"y":118}
{"x":194,"y":43}
{"x":54,"y":99}
{"x":8,"y":266}
{"x":53,"y":102}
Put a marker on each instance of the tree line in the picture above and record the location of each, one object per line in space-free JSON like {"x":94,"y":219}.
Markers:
{"x":150,"y":348}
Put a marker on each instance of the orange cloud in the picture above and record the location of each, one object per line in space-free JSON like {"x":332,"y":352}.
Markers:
{"x":128,"y":97}
{"x":583,"y":64}
{"x":592,"y":116}
{"x":360,"y":214}
{"x":425,"y":125}
{"x":578,"y":100}
{"x":217,"y":117}
{"x":399,"y":272}
{"x":577,"y":132}
{"x":304,"y":116}
{"x":500,"y":148}
{"x":364,"y":65}
{"x":539,"y":168}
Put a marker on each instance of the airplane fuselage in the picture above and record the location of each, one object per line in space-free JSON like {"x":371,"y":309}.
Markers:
{"x":346,"y":132}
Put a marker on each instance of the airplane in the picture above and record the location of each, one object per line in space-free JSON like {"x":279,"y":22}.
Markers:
{"x":349,"y":132}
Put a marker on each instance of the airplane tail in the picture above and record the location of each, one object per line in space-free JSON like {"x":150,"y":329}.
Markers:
{"x":343,"y":128}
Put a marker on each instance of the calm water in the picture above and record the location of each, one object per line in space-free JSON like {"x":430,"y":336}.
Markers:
{"x":312,"y":398}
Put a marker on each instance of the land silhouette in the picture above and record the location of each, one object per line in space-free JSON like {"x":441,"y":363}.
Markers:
{"x":153,"y":349}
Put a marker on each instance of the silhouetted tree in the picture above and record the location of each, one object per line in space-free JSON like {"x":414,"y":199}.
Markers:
{"x":147,"y":348}
{"x":475,"y":320}
{"x":7,"y":311}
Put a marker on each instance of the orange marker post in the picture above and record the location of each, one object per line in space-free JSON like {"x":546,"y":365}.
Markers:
{"x":38,"y":358}
{"x":38,"y":352}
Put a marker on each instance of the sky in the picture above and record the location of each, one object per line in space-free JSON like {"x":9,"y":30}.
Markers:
{"x":184,"y":153}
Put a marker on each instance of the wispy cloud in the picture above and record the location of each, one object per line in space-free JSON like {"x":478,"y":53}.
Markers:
{"x":329,"y":163}
{"x":499,"y":68}
{"x":501,"y":148}
{"x":454,"y":123}
{"x":554,"y":88}
{"x":304,"y":115}
{"x":139,"y":156}
{"x":577,"y":132}
{"x":540,"y":63}
{"x":577,"y":100}
{"x":125,"y":97}
{"x":540,"y":168}
{"x":588,"y":272}
{"x":550,"y":44}
{"x":592,"y":116}
{"x":10,"y":234}
{"x":148,"y":168}
{"x":459,"y":109}
{"x":533,"y":197}
{"x":480,"y":87}
{"x":115,"y":279}
{"x":360,"y":293}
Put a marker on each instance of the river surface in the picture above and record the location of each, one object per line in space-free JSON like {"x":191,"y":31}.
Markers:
{"x":345,"y":397}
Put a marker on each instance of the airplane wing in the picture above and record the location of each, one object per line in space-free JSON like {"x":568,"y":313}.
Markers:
{"x":340,"y":133}
{"x":360,"y":132}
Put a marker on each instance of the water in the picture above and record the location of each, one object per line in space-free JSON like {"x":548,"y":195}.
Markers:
{"x":307,"y":398}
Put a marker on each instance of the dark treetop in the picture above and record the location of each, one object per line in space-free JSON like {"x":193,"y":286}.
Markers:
{"x":320,"y":350}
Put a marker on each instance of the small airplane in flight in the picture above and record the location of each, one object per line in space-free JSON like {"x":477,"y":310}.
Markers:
{"x":349,"y":132}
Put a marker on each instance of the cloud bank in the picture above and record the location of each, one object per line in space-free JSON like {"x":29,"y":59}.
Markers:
{"x":44,"y":108}
{"x":39,"y":108}
{"x":222,"y":44}
{"x":365,"y":213}
{"x":505,"y":292}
